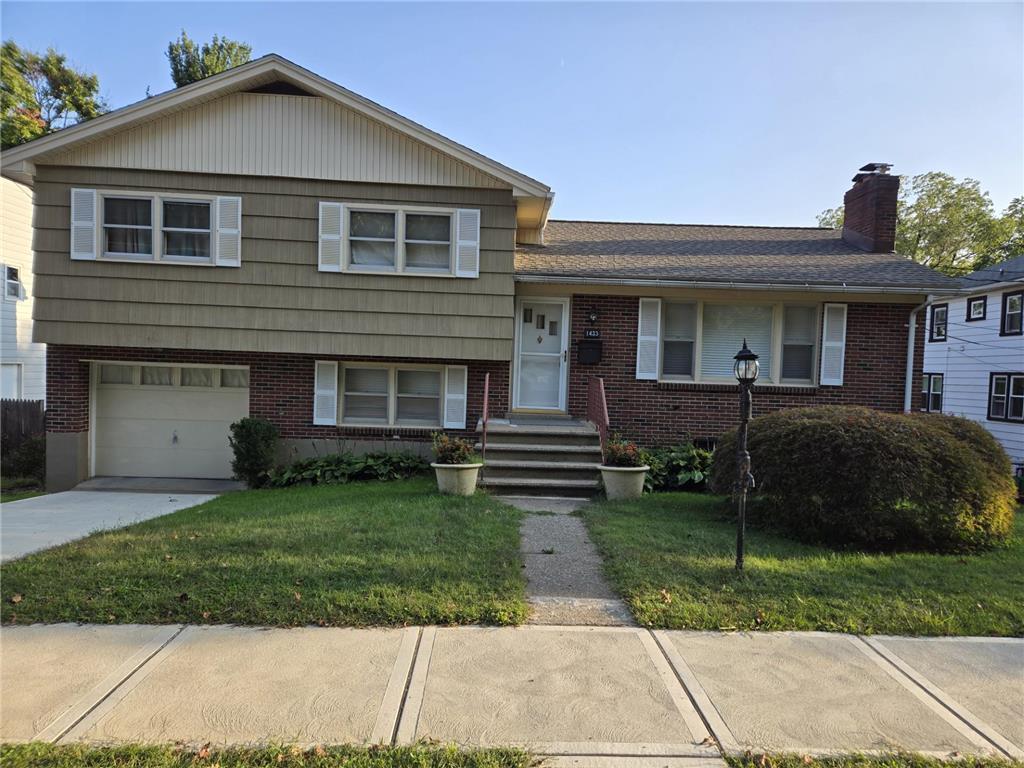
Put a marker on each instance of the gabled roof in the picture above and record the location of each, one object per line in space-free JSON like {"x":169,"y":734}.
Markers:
{"x":260,"y":72}
{"x":690,"y":253}
{"x":1009,"y":271}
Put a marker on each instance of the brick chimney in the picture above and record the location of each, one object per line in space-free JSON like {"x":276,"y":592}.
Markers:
{"x":869,"y":222}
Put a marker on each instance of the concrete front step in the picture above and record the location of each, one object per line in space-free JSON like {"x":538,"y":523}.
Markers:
{"x":546,"y":453}
{"x":547,"y":470}
{"x":539,"y":486}
{"x":519,"y":437}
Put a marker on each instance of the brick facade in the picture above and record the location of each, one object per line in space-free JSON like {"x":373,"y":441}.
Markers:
{"x":656,"y":413}
{"x":280,"y":387}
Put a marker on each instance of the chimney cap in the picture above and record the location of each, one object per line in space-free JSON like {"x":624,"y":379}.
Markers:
{"x":881,"y":168}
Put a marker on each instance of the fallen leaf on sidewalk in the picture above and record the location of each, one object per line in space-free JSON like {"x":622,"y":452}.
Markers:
{"x":16,"y":599}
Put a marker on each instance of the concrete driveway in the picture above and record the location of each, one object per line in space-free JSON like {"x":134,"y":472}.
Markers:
{"x":46,"y":521}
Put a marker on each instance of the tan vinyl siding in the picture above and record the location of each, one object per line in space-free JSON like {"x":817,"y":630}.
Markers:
{"x":272,"y":135}
{"x":277,"y":301}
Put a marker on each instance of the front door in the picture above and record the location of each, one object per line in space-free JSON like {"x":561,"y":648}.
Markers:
{"x":542,"y":336}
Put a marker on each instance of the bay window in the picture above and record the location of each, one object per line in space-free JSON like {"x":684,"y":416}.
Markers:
{"x":390,"y":395}
{"x":697,"y":341}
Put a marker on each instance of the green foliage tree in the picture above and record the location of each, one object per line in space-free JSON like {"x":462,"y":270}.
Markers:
{"x":191,"y":62}
{"x":950,"y":225}
{"x":42,"y":93}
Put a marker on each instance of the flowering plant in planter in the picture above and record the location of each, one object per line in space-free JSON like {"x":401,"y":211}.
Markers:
{"x":623,"y":471}
{"x":457,"y":467}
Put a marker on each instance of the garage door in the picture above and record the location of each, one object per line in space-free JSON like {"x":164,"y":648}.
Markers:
{"x":167,"y":421}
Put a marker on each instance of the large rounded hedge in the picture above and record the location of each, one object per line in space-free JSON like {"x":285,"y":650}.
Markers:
{"x":856,"y":477}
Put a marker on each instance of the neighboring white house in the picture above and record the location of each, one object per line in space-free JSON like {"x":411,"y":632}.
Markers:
{"x":974,"y":354}
{"x":22,"y":363}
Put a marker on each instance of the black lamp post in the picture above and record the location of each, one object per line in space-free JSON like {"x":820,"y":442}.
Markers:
{"x":746,"y":369}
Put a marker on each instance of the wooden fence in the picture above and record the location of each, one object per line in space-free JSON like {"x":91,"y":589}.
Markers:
{"x":19,"y":420}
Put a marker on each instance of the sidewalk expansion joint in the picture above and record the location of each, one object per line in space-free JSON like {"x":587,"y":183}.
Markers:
{"x":100,"y":693}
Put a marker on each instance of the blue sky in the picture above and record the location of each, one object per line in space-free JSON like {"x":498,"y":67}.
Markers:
{"x":725,"y":113}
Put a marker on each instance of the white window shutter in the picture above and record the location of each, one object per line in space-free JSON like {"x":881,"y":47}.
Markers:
{"x":229,"y":232}
{"x":329,"y":252}
{"x":648,"y":346}
{"x":83,"y":223}
{"x":833,"y":346}
{"x":467,"y":243}
{"x":325,"y":393}
{"x":455,"y":389}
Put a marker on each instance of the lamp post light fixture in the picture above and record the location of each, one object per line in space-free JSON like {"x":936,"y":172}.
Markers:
{"x":746,"y":369}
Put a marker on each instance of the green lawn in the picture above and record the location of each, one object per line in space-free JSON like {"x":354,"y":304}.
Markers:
{"x":39,"y":755}
{"x":361,"y":554}
{"x":671,"y":556}
{"x":6,"y":496}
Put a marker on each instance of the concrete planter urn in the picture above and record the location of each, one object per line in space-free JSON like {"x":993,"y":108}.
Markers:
{"x":623,"y":482}
{"x":456,"y":479}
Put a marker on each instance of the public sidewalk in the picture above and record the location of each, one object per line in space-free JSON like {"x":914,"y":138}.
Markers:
{"x":587,"y":696}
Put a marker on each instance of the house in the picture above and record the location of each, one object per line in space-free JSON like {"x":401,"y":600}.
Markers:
{"x":266,"y":242}
{"x":22,"y":362}
{"x":974,"y":354}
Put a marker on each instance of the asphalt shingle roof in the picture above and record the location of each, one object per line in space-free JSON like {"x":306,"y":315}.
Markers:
{"x":1004,"y":272}
{"x":727,"y":254}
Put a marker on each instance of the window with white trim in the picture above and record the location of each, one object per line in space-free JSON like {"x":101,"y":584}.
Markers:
{"x":1006,"y":397}
{"x":391,"y":395}
{"x":127,"y":227}
{"x":698,"y":340}
{"x":12,"y":283}
{"x":931,"y":392}
{"x":186,"y":376}
{"x":185,"y":225}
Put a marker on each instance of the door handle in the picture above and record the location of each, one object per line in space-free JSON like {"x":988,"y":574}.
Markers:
{"x":565,"y":355}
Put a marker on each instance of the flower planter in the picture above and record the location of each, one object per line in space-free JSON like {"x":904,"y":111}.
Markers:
{"x":623,"y":482}
{"x":456,"y":479}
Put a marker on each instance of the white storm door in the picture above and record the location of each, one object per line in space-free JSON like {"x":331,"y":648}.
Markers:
{"x":542,"y":336}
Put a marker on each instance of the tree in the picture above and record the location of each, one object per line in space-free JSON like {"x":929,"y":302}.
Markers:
{"x":42,"y":93}
{"x":191,"y":62}
{"x":950,"y":225}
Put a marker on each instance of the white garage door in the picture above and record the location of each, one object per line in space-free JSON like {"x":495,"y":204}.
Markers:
{"x":167,"y":421}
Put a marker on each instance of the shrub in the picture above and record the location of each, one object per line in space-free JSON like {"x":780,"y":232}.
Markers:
{"x":340,"y":468}
{"x":622,"y":453}
{"x":679,"y":467}
{"x":452,"y":450}
{"x":856,"y":477}
{"x":28,"y":460}
{"x":254,"y":442}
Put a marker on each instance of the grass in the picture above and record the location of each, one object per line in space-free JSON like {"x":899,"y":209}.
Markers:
{"x":41,"y":755}
{"x":671,"y":556}
{"x":360,"y":554}
{"x":6,"y":496}
{"x":896,"y":760}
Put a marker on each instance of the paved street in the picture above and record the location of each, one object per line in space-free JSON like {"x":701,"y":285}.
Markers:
{"x":587,"y":696}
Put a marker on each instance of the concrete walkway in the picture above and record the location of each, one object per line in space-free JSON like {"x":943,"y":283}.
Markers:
{"x":56,"y":518}
{"x":588,"y":696}
{"x":564,"y":581}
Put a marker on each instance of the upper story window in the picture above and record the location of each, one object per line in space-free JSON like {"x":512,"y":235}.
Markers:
{"x":399,"y":239}
{"x":161,"y":227}
{"x":698,"y":340}
{"x":12,"y":283}
{"x":937,"y":326}
{"x":1013,"y":314}
{"x":976,"y":308}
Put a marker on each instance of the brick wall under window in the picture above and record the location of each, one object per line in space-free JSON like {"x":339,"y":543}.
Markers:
{"x":655,"y":413}
{"x":280,"y":387}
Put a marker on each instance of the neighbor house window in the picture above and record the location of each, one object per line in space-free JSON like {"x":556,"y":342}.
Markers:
{"x":724,"y":327}
{"x":976,"y":308}
{"x":128,"y":227}
{"x":391,"y":395}
{"x":1006,"y":397}
{"x":931,"y":392}
{"x":937,"y":329}
{"x":679,"y":340}
{"x":12,"y":283}
{"x":799,"y":337}
{"x":10,"y":381}
{"x":186,"y":230}
{"x":1013,"y":314}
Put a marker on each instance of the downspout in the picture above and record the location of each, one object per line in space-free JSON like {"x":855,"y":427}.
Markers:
{"x":908,"y":386}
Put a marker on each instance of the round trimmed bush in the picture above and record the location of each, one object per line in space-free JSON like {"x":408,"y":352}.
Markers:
{"x":855,"y":477}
